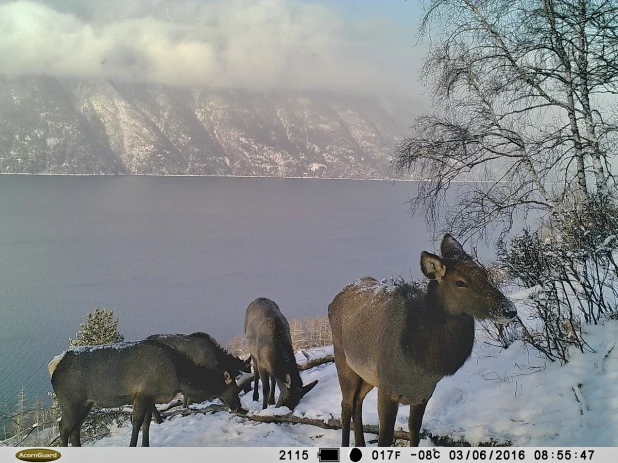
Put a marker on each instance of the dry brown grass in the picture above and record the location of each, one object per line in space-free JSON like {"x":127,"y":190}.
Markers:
{"x":306,"y":333}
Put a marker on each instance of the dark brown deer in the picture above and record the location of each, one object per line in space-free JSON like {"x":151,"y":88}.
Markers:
{"x":206,"y":351}
{"x":404,"y":338}
{"x":139,"y":373}
{"x":267,"y":333}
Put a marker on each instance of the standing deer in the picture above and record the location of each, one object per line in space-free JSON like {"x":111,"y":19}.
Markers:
{"x":140,"y":373}
{"x":267,"y":333}
{"x":206,"y":351}
{"x":404,"y":338}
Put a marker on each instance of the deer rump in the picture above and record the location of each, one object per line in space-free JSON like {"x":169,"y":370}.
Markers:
{"x":139,"y":373}
{"x":403,"y":338}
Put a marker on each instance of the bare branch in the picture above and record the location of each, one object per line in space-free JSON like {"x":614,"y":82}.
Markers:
{"x":526,"y":100}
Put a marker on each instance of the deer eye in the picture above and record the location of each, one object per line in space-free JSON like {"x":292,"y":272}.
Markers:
{"x":461,"y":284}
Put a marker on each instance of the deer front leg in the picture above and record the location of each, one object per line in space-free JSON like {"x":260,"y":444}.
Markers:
{"x":387,"y":412}
{"x":415,"y":421}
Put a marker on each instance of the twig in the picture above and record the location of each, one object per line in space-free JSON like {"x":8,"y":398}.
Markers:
{"x":607,"y":353}
{"x":330,"y":423}
{"x":315,"y":362}
{"x":32,"y":428}
{"x":580,"y":398}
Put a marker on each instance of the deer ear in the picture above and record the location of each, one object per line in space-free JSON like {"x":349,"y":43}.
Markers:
{"x":288,"y":381}
{"x":308,"y":387}
{"x":432,"y":266}
{"x":226,"y":376}
{"x":450,"y":247}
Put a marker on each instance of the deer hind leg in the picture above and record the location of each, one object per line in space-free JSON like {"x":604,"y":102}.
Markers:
{"x":351,"y":384}
{"x":387,"y":412}
{"x":265,"y":377}
{"x":271,"y":397}
{"x":70,"y":423}
{"x":146,"y":428}
{"x":76,"y":440}
{"x":415,"y":421}
{"x":357,"y":414}
{"x":64,"y":432}
{"x":141,"y":406}
{"x":75,"y":434}
{"x":256,"y":379}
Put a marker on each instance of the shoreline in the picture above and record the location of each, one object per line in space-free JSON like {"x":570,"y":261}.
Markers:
{"x":242,"y":176}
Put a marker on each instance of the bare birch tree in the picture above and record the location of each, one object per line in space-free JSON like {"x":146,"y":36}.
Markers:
{"x":526,"y":92}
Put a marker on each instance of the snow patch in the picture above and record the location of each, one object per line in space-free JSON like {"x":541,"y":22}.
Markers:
{"x":509,"y":395}
{"x":51,"y":367}
{"x":116,"y":346}
{"x":52,"y":141}
{"x":384,"y":286}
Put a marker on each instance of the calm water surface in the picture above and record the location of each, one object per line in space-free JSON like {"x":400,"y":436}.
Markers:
{"x":183,"y":254}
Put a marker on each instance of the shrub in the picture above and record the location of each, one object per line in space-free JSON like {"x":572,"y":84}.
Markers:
{"x":571,"y":262}
{"x":26,"y":426}
{"x":99,"y":328}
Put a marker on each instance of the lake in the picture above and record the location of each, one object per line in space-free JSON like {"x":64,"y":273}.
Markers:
{"x":183,"y":254}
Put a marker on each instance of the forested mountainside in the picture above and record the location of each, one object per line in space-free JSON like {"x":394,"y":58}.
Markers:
{"x":54,"y":126}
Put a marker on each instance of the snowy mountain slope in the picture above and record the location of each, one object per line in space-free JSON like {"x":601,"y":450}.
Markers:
{"x":54,"y":126}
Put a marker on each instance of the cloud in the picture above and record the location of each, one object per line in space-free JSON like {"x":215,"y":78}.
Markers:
{"x":253,"y":44}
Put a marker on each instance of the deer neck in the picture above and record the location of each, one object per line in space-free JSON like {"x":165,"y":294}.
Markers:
{"x":198,"y":378}
{"x":439,"y":341}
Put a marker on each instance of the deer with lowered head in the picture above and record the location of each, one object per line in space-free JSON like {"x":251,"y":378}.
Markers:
{"x":267,"y":332}
{"x":206,"y":351}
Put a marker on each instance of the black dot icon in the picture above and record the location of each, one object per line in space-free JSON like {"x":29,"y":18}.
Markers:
{"x":356,"y":455}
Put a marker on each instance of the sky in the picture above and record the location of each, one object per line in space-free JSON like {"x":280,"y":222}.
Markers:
{"x":352,"y":45}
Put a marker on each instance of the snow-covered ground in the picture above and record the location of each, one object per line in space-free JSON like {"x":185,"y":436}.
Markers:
{"x":508,"y":396}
